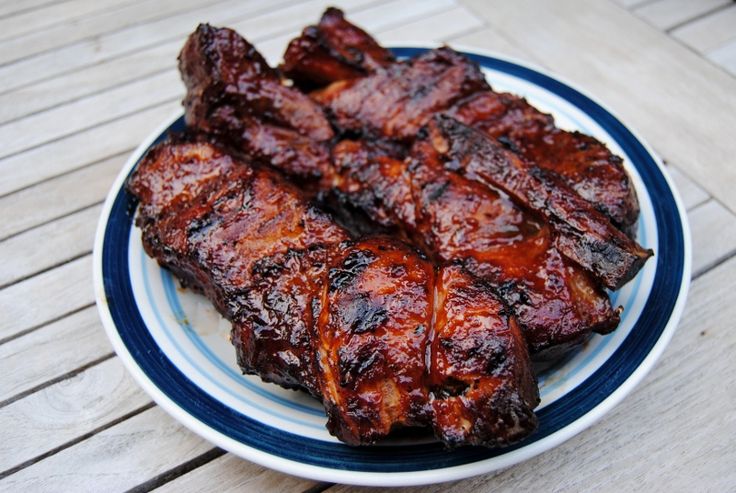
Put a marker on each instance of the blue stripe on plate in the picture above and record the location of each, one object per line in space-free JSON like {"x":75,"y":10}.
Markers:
{"x":614,"y":372}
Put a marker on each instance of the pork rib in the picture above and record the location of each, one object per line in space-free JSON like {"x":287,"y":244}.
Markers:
{"x":585,"y":163}
{"x":370,"y":327}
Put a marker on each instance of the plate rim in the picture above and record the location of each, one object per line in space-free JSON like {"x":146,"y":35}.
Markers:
{"x":404,"y":478}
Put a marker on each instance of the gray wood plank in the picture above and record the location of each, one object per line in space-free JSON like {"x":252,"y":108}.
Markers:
{"x":53,"y":198}
{"x":104,"y":21}
{"x":690,"y":192}
{"x":666,"y":91}
{"x":714,"y":235}
{"x":235,"y":474}
{"x":434,"y":28}
{"x":116,"y":459}
{"x":725,"y":56}
{"x":63,"y":412}
{"x":673,"y":433}
{"x":45,"y":297}
{"x":62,"y":240}
{"x":710,"y":32}
{"x":87,"y":52}
{"x":51,"y":352}
{"x":113,"y":72}
{"x":86,"y":113}
{"x":83,"y":148}
{"x":54,"y":13}
{"x":666,"y":14}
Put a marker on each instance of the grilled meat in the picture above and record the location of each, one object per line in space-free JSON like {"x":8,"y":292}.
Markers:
{"x":370,"y":327}
{"x":453,"y":218}
{"x":395,"y":103}
{"x":332,"y":50}
{"x":586,"y":164}
{"x":232,"y":93}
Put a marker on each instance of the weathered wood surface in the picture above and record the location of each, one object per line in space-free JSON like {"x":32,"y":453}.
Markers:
{"x":81,"y":85}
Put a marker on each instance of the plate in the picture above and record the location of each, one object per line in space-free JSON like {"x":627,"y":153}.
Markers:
{"x":176,"y":347}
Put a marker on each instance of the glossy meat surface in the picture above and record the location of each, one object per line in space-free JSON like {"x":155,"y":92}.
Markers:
{"x":586,"y":164}
{"x":245,"y":238}
{"x":332,"y":50}
{"x":396,"y":102}
{"x":232,"y":93}
{"x":582,"y":234}
{"x":354,"y":323}
{"x":453,"y":218}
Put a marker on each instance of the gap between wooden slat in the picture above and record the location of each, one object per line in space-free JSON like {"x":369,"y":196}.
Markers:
{"x":104,"y":22}
{"x":6,"y":8}
{"x":177,"y":471}
{"x":19,"y":154}
{"x":84,"y":53}
{"x":52,"y":15}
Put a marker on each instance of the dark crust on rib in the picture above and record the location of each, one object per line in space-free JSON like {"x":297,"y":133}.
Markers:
{"x":456,"y":219}
{"x":582,"y":234}
{"x":352,"y":323}
{"x":585,"y":163}
{"x":233,"y":94}
{"x":332,"y":50}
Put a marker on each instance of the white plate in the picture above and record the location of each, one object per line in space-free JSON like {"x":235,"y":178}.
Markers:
{"x":176,"y":346}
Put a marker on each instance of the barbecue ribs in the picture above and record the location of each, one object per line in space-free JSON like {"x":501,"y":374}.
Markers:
{"x":586,"y":164}
{"x":470,"y":200}
{"x":384,"y":337}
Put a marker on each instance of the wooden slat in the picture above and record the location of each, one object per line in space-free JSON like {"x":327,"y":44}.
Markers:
{"x":108,"y":20}
{"x":104,"y":47}
{"x":434,"y":28}
{"x":673,"y":433}
{"x":235,"y":474}
{"x":493,"y":41}
{"x":666,"y":14}
{"x":45,"y":297}
{"x":663,"y":87}
{"x":725,"y":56}
{"x":690,"y":192}
{"x":630,"y":4}
{"x":714,"y":235}
{"x":51,"y":352}
{"x":61,"y":240}
{"x":86,"y":113}
{"x":116,"y":459}
{"x":10,"y":8}
{"x":56,"y":13}
{"x":710,"y":32}
{"x":53,"y":198}
{"x":63,"y":412}
{"x":117,"y":71}
{"x":80,"y":149}
{"x":374,"y":19}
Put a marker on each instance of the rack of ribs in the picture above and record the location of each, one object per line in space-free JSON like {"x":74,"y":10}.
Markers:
{"x":455,"y":193}
{"x":384,"y":337}
{"x":584,"y":163}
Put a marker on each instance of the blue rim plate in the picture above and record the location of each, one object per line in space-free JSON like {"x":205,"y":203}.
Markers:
{"x":173,"y":344}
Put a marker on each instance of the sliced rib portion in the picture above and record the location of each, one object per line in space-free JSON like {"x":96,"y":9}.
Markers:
{"x":332,"y":50}
{"x":475,"y":220}
{"x":355,"y":324}
{"x":233,"y":93}
{"x":397,"y":102}
{"x":585,"y":163}
{"x":453,"y":218}
{"x":582,"y":234}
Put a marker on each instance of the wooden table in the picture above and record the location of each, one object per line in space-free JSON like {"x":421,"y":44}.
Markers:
{"x":83,"y":81}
